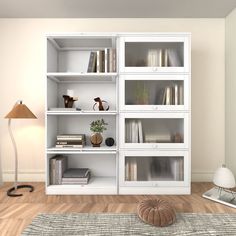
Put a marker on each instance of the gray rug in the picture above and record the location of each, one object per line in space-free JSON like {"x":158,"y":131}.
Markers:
{"x":129,"y":224}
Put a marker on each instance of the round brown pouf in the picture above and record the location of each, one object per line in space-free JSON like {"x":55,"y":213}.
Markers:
{"x":156,"y":212}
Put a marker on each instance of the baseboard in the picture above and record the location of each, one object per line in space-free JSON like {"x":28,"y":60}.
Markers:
{"x":24,"y":176}
{"x":202,"y":176}
{"x":39,"y":176}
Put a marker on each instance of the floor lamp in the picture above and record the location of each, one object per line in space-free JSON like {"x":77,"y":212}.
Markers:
{"x":19,"y":111}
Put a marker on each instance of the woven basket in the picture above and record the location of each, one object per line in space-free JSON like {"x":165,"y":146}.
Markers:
{"x":156,"y":212}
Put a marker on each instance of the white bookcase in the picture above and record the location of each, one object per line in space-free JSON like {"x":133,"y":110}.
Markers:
{"x":149,"y":116}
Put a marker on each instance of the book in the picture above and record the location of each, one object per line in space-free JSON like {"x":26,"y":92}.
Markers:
{"x":76,"y":172}
{"x":57,"y":166}
{"x":68,"y":146}
{"x":75,"y":180}
{"x":168,"y":100}
{"x":127,"y":172}
{"x":106,"y":60}
{"x":176,"y":95}
{"x":61,"y":165}
{"x":166,"y":58}
{"x":160,"y":58}
{"x":69,"y":142}
{"x":140,"y":131}
{"x":181,"y":95}
{"x":111,"y":60}
{"x":92,"y":62}
{"x":71,"y":137}
{"x":100,"y":61}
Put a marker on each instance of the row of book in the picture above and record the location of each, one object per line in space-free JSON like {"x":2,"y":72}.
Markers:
{"x":102,"y":61}
{"x":163,"y":57}
{"x":70,"y":141}
{"x":173,"y":95}
{"x":61,"y":174}
{"x":133,"y":131}
{"x":134,"y":134}
{"x":158,"y":169}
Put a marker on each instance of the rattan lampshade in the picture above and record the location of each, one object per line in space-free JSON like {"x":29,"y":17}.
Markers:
{"x":20,"y":111}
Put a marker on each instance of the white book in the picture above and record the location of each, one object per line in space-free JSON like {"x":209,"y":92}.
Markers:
{"x":181,"y":95}
{"x":166,"y":58}
{"x":176,"y":95}
{"x":136,"y":132}
{"x":168,"y":96}
{"x":106,"y":60}
{"x":132,"y":131}
{"x":160,"y":57}
{"x":140,"y":131}
{"x":135,"y":170}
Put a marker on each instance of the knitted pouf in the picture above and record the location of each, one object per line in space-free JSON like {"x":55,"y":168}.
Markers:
{"x":156,"y":212}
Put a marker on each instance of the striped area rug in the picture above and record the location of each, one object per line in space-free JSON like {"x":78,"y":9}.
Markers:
{"x":129,"y":224}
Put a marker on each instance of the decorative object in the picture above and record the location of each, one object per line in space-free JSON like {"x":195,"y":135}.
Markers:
{"x":69,"y":101}
{"x":100,"y":105}
{"x":97,"y":127}
{"x":128,"y":224}
{"x":156,"y":212}
{"x":19,"y":111}
{"x":224,"y":178}
{"x":222,"y":193}
{"x":109,"y":142}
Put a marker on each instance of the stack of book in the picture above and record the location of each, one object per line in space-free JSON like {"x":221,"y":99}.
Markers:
{"x":70,"y":141}
{"x":102,"y":61}
{"x":57,"y":165}
{"x":133,"y":131}
{"x":76,"y":176}
{"x":131,"y":169}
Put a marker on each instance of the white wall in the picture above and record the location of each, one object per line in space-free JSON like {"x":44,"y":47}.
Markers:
{"x":22,"y":64}
{"x":230,"y":86}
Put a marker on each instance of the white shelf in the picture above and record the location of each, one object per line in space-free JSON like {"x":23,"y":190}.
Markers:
{"x":70,"y":77}
{"x":84,"y":150}
{"x":63,"y":112}
{"x":96,"y":185}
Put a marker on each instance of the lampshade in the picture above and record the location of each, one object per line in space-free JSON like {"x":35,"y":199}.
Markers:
{"x":224,"y":178}
{"x":20,"y":111}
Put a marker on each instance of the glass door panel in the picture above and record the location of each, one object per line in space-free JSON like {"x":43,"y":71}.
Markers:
{"x":154,"y":54}
{"x":153,"y":168}
{"x":150,"y":168}
{"x":154,"y":92}
{"x":159,"y":131}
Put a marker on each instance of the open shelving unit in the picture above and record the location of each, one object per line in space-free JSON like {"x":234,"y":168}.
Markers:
{"x":149,"y":116}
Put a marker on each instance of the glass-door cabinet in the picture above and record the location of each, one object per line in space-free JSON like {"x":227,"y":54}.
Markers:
{"x":154,"y":168}
{"x":154,"y":130}
{"x":154,"y":53}
{"x":159,"y":92}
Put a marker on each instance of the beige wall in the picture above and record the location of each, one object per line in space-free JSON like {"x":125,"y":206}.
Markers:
{"x":22,"y":64}
{"x":230,"y":86}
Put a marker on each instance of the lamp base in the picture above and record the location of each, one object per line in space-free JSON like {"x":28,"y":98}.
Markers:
{"x":10,"y":194}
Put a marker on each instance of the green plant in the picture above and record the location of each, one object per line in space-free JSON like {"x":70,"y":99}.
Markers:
{"x":98,"y":126}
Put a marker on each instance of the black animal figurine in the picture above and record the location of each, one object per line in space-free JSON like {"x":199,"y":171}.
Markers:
{"x":100,"y":104}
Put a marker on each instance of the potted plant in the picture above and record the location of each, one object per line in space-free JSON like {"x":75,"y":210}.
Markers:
{"x":97,"y":127}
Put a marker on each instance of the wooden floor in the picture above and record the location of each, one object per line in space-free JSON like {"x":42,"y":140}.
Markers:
{"x":17,"y":213}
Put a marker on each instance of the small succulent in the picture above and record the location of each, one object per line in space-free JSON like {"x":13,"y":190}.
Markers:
{"x":98,"y":126}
